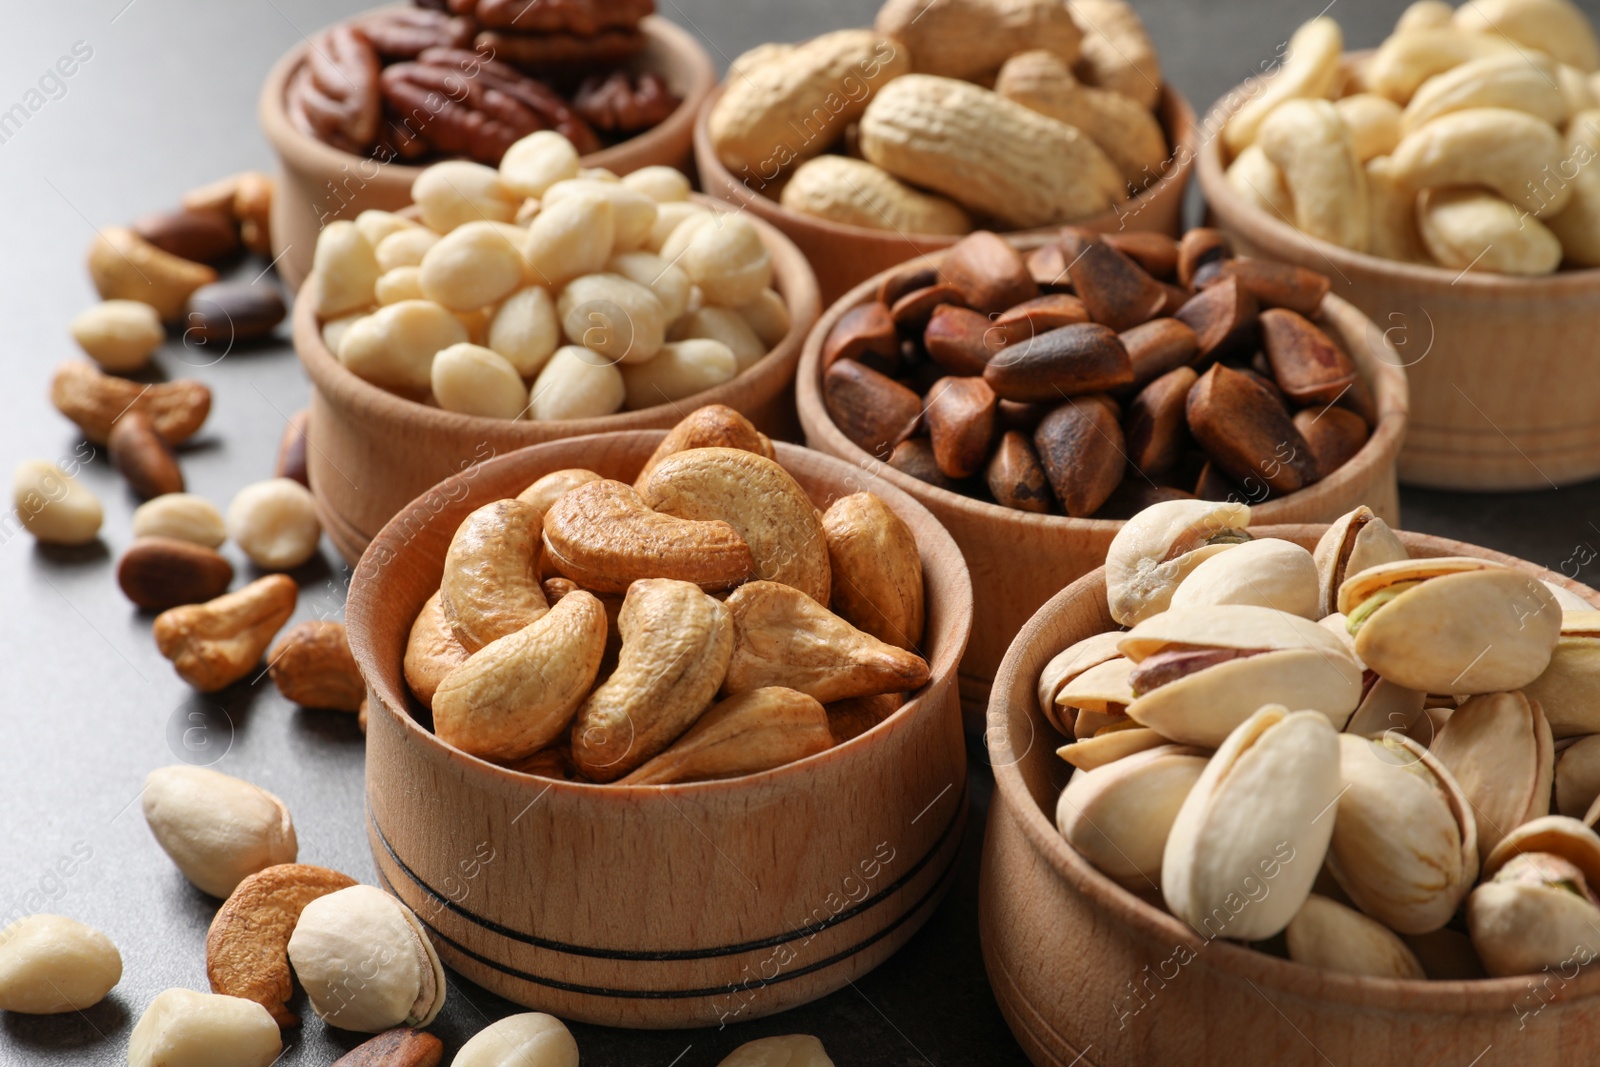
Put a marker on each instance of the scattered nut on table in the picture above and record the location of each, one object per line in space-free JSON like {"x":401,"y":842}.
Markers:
{"x":51,"y":964}
{"x":789,"y":1050}
{"x":218,"y":830}
{"x":182,"y":517}
{"x":182,"y":1028}
{"x":215,"y":644}
{"x":275,"y":523}
{"x":120,"y":335}
{"x":531,"y":1039}
{"x":54,"y":506}
{"x":312,"y":666}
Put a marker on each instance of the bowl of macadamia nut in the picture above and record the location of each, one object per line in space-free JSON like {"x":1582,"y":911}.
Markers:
{"x":871,"y":146}
{"x":517,"y":304}
{"x":358,"y":109}
{"x":1317,"y":793}
{"x":1445,"y":181}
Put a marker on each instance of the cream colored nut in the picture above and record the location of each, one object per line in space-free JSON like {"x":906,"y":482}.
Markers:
{"x":404,"y":248}
{"x":532,"y":1039}
{"x":666,"y":280}
{"x":526,"y":330}
{"x":1568,"y":691}
{"x":788,"y":1050}
{"x":124,"y":266}
{"x":745,"y":734}
{"x":182,"y":1028}
{"x":728,"y":260}
{"x":1577,"y":226}
{"x":1260,"y":182}
{"x":213,"y":645}
{"x":576,"y":384}
{"x":971,"y":38}
{"x":181,"y":516}
{"x":681,"y":369}
{"x":1270,"y":572}
{"x":536,"y":162}
{"x":490,"y":587}
{"x":1156,"y":549}
{"x":1326,"y":934}
{"x":120,"y":335}
{"x":543,"y":493}
{"x":1499,"y":749}
{"x":345,"y":937}
{"x":477,"y":324}
{"x":1392,"y":221}
{"x":669,"y":217}
{"x":1097,"y":699}
{"x":218,"y":830}
{"x":617,"y":318}
{"x":664,"y":185}
{"x":1118,"y":816}
{"x":1576,"y":89}
{"x":457,"y":192}
{"x":1117,"y":51}
{"x":875,"y":568}
{"x":1554,"y":27}
{"x":401,"y":283}
{"x":768,"y":316}
{"x":1470,"y":229}
{"x":1251,"y":819}
{"x":376,"y":225}
{"x":569,"y":239}
{"x":475,"y":380}
{"x":633,"y":213}
{"x":471,"y":266}
{"x":1120,"y":125}
{"x":1536,"y":912}
{"x":677,"y":242}
{"x":725,"y":325}
{"x":346,"y":269}
{"x":1354,"y":542}
{"x":395,"y":345}
{"x":1517,"y":81}
{"x":1424,"y":15}
{"x":1308,"y":142}
{"x":51,"y":964}
{"x":1309,"y":71}
{"x":1406,"y":60}
{"x":1067,"y":665}
{"x":432,"y":651}
{"x":1373,"y":123}
{"x":275,"y":523}
{"x":333,"y":330}
{"x":54,"y":506}
{"x":853,"y":192}
{"x":1109,"y":745}
{"x":991,"y":155}
{"x":788,"y":105}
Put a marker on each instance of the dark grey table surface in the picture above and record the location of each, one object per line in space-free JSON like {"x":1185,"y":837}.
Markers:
{"x":167,"y":101}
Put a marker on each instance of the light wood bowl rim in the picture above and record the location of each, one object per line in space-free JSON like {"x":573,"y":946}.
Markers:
{"x":793,"y":278}
{"x":393,"y":698}
{"x":715,"y":176}
{"x":1151,"y":923}
{"x":306,"y":153}
{"x":1383,"y":445}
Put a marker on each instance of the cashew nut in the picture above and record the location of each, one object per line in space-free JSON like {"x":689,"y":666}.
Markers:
{"x":877,"y":571}
{"x":213,"y":645}
{"x":1308,"y":142}
{"x":547,"y":490}
{"x":432,"y":651}
{"x":124,"y":266}
{"x":1407,"y":59}
{"x":1392,"y":207}
{"x":713,"y":426}
{"x":94,"y":401}
{"x":1513,"y":153}
{"x":1258,"y":180}
{"x":1373,"y":122}
{"x":491,"y":574}
{"x":1470,"y":229}
{"x":751,"y":732}
{"x":1519,"y":81}
{"x":1309,"y":70}
{"x":1554,"y":27}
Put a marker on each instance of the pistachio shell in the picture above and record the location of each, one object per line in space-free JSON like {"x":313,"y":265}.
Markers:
{"x":1251,"y":836}
{"x":1529,"y":917}
{"x":1269,"y":573}
{"x":1568,"y":600}
{"x":1089,"y":723}
{"x":1555,"y":834}
{"x":1404,"y":847}
{"x":1569,"y":688}
{"x":1577,"y":777}
{"x":1103,"y":687}
{"x":1067,"y":665}
{"x":1118,"y":816}
{"x":1356,"y":541}
{"x":1110,"y":745}
{"x":1385,"y":707}
{"x":1497,"y":746}
{"x":1158,"y":547}
{"x":1325,"y":933}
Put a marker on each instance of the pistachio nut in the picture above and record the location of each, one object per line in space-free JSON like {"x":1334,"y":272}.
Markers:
{"x":1201,"y":672}
{"x":1097,"y":698}
{"x":1118,"y":816}
{"x":1577,"y":776}
{"x":1326,"y":934}
{"x":1157,"y":548}
{"x":1498,"y":748}
{"x":1110,"y":744}
{"x":1067,"y":665}
{"x":1569,"y":688}
{"x":1269,"y":573}
{"x":1555,"y":834}
{"x":1452,"y":624}
{"x":1539,"y":911}
{"x":1252,"y":833}
{"x":1405,"y":847}
{"x":1387,"y":707}
{"x":1354,"y":542}
{"x":365,"y":962}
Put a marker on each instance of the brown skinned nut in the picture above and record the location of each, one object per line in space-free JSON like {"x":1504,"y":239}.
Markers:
{"x":990,"y":275}
{"x":1158,"y":346}
{"x":157,"y":573}
{"x":1247,"y":432}
{"x":1156,"y":253}
{"x":401,"y":1047}
{"x":960,"y":340}
{"x":898,"y":284}
{"x":913,"y":310}
{"x":1115,"y":290}
{"x":1198,"y":247}
{"x":914,"y":456}
{"x":1155,"y":426}
{"x":292,"y":450}
{"x":1048,"y":265}
{"x":1212,"y":484}
{"x":1070,"y":361}
{"x":1333,"y":434}
{"x":1274,"y":285}
{"x":1040,"y":315}
{"x":200,"y":236}
{"x":1015,"y":476}
{"x":1021,"y":415}
{"x":959,"y":416}
{"x":1177,"y":296}
{"x":873,"y":410}
{"x":1223,"y":317}
{"x":143,"y":458}
{"x":1080,"y":447}
{"x":867,"y":334}
{"x":1306,"y":363}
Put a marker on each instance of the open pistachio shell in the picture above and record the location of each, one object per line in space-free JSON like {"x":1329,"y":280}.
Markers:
{"x":1295,"y":663}
{"x":1538,"y":912}
{"x":1569,"y":688}
{"x":1251,"y":836}
{"x":1452,"y":625}
{"x":1118,"y":816}
{"x":1097,"y":698}
{"x":1385,"y":706}
{"x":1497,"y":746}
{"x":1067,"y":665}
{"x":1568,"y":600}
{"x":1157,"y":548}
{"x":1109,"y":745}
{"x":1353,"y":543}
{"x":1405,"y":848}
{"x":1577,"y":777}
{"x":1270,"y":573}
{"x":1555,"y":834}
{"x":1090,"y":723}
{"x":1325,"y":933}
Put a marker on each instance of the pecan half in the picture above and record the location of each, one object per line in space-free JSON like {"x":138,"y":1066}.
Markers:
{"x":536,"y":52}
{"x":333,"y":95}
{"x":582,"y":17}
{"x":405,"y":33}
{"x":625,"y":103}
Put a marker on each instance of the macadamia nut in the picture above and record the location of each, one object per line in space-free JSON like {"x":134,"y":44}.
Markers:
{"x":664,"y":185}
{"x":394,"y":346}
{"x":53,"y":506}
{"x":456,"y":192}
{"x":405,"y":248}
{"x":537,"y":162}
{"x":576,"y":384}
{"x":376,"y":225}
{"x":608,"y":314}
{"x":474,"y":380}
{"x":788,"y":1050}
{"x":726,"y":259}
{"x":275,"y":523}
{"x":473,"y":265}
{"x":51,"y":964}
{"x":182,"y":517}
{"x":120,"y":335}
{"x":402,"y":283}
{"x":570,"y":239}
{"x":669,"y":217}
{"x":346,"y":269}
{"x":680,"y":369}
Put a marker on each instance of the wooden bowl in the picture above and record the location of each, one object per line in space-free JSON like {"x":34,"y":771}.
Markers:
{"x":371,"y":452}
{"x":1079,"y":963}
{"x":659,"y":906}
{"x":1503,"y":392}
{"x":845,"y":255}
{"x":318,"y":183}
{"x":1019,"y":560}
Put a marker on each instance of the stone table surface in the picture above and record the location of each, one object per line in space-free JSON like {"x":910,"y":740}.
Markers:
{"x":163,"y":98}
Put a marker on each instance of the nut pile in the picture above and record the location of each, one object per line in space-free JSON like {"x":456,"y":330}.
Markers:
{"x":1464,"y":141}
{"x":1004,"y":113}
{"x":1099,"y":374}
{"x":469,"y":78}
{"x":674,"y":630}
{"x":602,"y":293}
{"x":1388,"y":760}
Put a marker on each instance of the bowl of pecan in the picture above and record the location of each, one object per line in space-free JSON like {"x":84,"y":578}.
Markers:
{"x":1034,"y":393}
{"x":358,"y":110}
